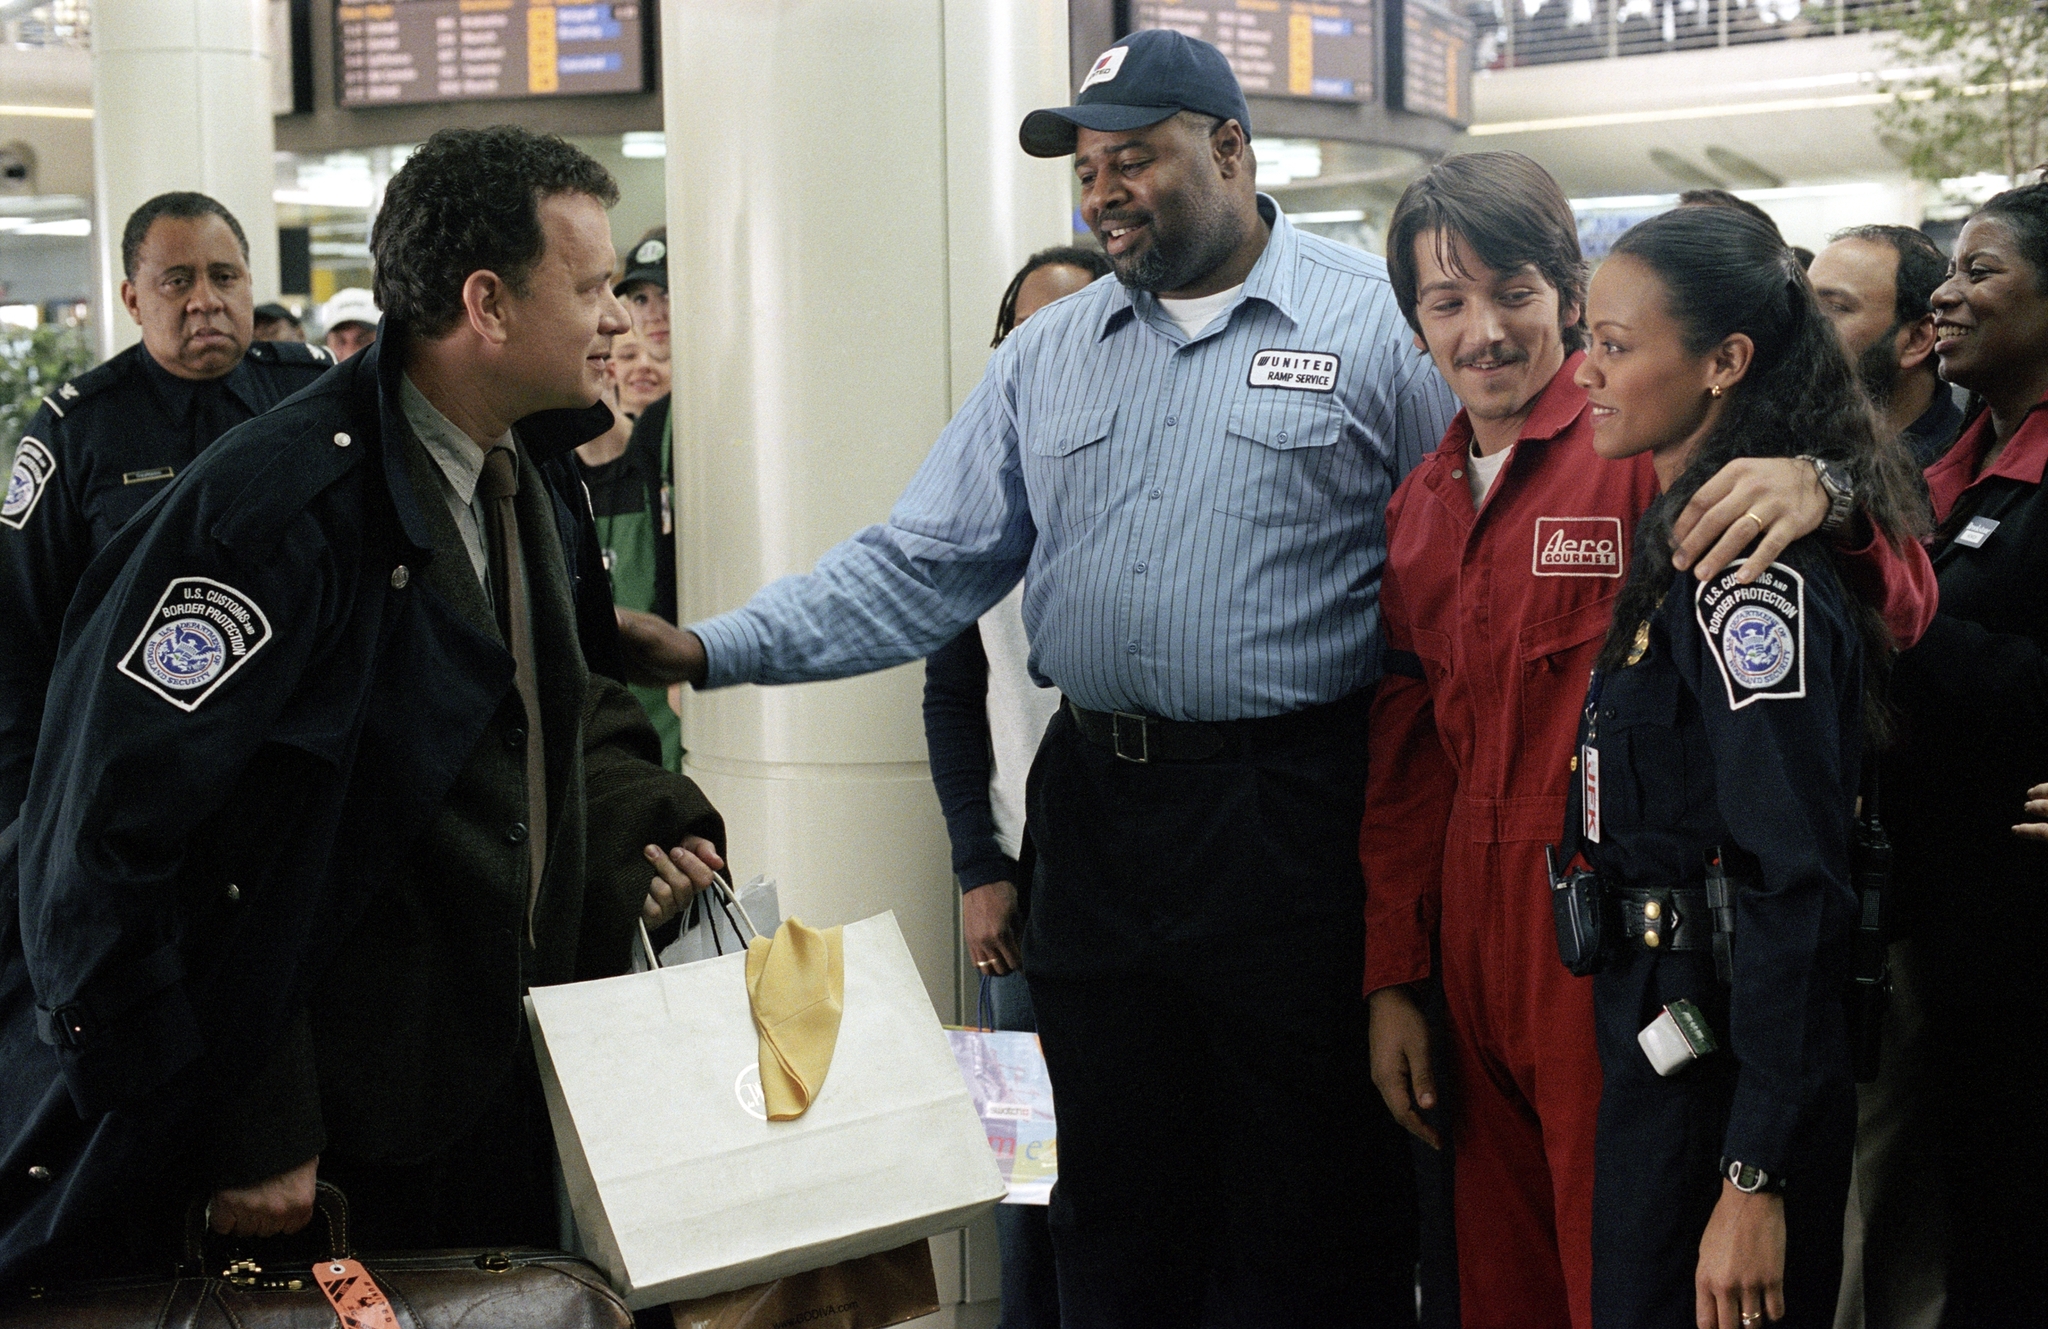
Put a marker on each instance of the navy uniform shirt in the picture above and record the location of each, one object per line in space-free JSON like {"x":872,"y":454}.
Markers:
{"x":102,"y":446}
{"x":1739,"y":726}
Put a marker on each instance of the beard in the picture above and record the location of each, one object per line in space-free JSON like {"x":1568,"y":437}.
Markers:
{"x":1192,"y":236}
{"x":1878,"y":367}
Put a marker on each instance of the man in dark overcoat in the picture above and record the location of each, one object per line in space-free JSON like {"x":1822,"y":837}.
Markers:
{"x":334,"y":771}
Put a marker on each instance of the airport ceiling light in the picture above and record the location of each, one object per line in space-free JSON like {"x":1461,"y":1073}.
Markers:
{"x":1282,"y":160}
{"x":73,"y":226}
{"x":338,"y":180}
{"x":644,"y":143}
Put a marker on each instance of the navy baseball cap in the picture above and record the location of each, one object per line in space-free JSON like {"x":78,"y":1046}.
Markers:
{"x":1140,"y":81}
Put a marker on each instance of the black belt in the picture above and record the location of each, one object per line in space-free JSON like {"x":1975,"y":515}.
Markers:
{"x":1673,"y":919}
{"x":1147,"y":738}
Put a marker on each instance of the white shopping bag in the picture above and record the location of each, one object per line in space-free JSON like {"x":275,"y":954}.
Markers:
{"x":680,"y":1185}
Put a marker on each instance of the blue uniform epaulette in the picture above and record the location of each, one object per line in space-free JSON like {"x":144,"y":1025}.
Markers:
{"x":292,"y":354}
{"x":270,"y":480}
{"x":98,"y":379}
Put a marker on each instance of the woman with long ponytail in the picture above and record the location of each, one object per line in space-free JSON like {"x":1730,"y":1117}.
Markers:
{"x":1719,"y":762}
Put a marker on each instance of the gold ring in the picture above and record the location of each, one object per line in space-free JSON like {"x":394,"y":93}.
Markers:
{"x":1751,"y":1317}
{"x":983,"y":964}
{"x":1759,"y":527}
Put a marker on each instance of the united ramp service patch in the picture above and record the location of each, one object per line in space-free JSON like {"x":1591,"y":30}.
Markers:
{"x":200,"y":632}
{"x":33,"y":467}
{"x":1757,"y":633}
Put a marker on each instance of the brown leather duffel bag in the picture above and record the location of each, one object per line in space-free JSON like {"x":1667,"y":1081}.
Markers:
{"x":522,"y":1288}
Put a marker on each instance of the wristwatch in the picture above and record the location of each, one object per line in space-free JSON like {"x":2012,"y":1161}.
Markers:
{"x":1841,"y":492}
{"x":1751,"y":1180}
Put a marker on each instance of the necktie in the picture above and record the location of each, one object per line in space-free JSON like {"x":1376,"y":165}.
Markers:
{"x":499,"y":485}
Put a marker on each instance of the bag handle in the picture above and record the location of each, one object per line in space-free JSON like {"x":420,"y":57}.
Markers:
{"x":330,"y":1206}
{"x":726,"y":898}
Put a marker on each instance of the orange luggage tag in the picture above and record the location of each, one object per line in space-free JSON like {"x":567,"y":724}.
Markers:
{"x":355,"y":1296}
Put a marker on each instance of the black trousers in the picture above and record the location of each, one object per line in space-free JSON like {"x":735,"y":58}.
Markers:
{"x":1195,"y":952}
{"x":1654,"y":1181}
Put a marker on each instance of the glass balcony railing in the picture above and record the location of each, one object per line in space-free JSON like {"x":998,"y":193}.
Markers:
{"x":1543,"y":32}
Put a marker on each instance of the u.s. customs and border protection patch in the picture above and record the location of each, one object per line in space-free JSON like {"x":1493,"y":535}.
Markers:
{"x":200,"y":632}
{"x":33,"y":467}
{"x":1757,"y":633}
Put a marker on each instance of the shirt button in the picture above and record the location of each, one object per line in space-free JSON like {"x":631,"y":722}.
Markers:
{"x":399,"y":577}
{"x":1607,"y":713}
{"x":1172,"y":420}
{"x":516,"y":834}
{"x":1281,"y":436}
{"x":1155,"y":493}
{"x":1132,"y":648}
{"x":1138,"y":566}
{"x":342,"y":440}
{"x":1457,"y":475}
{"x":234,"y":893}
{"x":39,"y":1173}
{"x":515,"y":739}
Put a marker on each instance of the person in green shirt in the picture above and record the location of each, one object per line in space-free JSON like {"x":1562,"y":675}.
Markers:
{"x":627,"y":473}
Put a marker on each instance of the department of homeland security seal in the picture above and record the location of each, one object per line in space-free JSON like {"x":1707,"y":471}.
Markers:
{"x":200,"y":632}
{"x":33,"y":467}
{"x":1758,"y":633}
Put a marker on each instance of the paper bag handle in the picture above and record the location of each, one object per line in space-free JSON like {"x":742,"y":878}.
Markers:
{"x":722,"y":895}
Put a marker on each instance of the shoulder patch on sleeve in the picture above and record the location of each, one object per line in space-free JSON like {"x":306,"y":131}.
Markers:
{"x":33,"y":467}
{"x":298,"y":355}
{"x":200,"y":632}
{"x":1757,"y":633}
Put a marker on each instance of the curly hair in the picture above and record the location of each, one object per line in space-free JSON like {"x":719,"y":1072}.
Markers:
{"x":1724,"y":272}
{"x":182,"y":205}
{"x":468,"y":200}
{"x":1511,"y":213}
{"x":1091,"y":261}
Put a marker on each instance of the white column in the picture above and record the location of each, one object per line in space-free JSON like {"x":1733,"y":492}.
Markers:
{"x":181,"y":100}
{"x":846,"y":201}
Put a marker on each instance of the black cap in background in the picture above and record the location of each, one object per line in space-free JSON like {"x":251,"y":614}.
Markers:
{"x":648,"y":262}
{"x":1140,"y":81}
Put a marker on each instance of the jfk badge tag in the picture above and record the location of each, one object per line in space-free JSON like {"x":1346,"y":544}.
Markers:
{"x":1757,"y":633}
{"x":200,"y":632}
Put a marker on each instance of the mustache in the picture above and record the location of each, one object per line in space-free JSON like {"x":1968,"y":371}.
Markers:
{"x":1500,"y":355}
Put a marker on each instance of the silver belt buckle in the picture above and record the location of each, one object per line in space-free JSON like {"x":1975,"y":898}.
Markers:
{"x":1117,"y":732}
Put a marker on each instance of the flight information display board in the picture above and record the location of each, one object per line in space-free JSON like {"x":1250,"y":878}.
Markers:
{"x":1436,"y":60}
{"x":409,"y":52}
{"x":1280,"y":48}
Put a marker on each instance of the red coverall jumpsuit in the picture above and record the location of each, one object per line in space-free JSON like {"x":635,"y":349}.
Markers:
{"x":1501,"y":612}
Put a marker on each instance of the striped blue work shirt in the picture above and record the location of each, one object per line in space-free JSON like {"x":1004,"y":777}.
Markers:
{"x":1200,"y":522}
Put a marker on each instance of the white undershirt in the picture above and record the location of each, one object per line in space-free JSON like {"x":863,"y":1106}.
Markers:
{"x":1482,"y":471}
{"x":1198,"y":313}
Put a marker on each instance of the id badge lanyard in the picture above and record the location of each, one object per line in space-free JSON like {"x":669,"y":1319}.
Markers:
{"x":1589,"y":764}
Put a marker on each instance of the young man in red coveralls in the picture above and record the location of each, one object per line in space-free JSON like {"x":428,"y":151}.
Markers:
{"x":1505,"y":550}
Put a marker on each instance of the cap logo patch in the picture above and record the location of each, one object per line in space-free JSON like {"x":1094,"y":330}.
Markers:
{"x":652,"y":251}
{"x":1758,"y":633}
{"x":33,"y":467}
{"x":1106,"y":66}
{"x":200,"y":632}
{"x":1577,"y":547}
{"x":1303,"y":371}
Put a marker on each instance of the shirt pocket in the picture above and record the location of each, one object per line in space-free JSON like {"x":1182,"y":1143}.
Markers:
{"x":1556,"y":656}
{"x":1643,"y":759}
{"x":1072,"y":464}
{"x":1280,"y":459}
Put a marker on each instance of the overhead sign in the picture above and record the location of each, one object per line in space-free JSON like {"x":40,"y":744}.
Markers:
{"x":408,"y":52}
{"x":1281,"y":48}
{"x":1429,"y":60}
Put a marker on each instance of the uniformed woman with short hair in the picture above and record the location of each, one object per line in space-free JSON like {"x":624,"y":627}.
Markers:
{"x":1719,"y":761}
